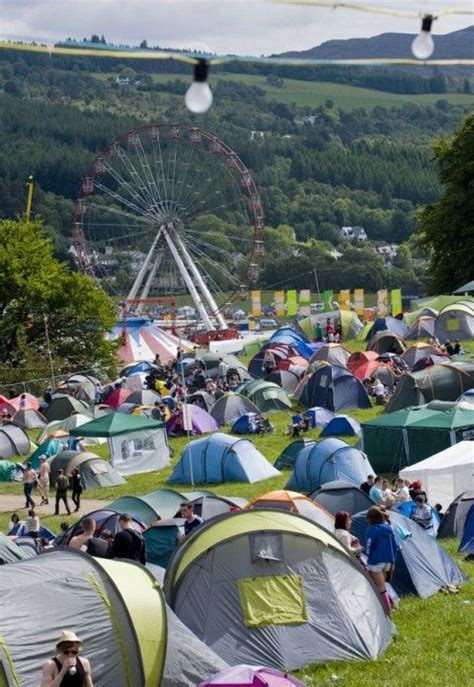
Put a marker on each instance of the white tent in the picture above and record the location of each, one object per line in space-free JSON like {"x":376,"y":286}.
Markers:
{"x":445,"y":474}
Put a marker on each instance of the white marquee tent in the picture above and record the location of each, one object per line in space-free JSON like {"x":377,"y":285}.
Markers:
{"x":445,"y":474}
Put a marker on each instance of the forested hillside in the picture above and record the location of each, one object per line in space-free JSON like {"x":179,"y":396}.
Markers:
{"x":318,"y":168}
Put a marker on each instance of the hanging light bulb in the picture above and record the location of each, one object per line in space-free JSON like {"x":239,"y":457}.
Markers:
{"x":198,"y":97}
{"x":423,"y":45}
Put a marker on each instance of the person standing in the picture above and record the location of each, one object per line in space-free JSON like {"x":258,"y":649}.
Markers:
{"x":191,"y":520}
{"x":29,"y":481}
{"x":381,"y":549}
{"x":128,"y":543}
{"x":61,"y":492}
{"x":66,"y":669}
{"x":76,"y":486}
{"x":43,"y":480}
{"x":222,"y":370}
{"x":22,"y":404}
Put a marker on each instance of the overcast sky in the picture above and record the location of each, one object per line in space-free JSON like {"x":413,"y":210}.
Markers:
{"x":252,"y":27}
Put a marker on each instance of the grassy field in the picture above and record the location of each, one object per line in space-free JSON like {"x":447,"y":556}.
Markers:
{"x":314,"y":93}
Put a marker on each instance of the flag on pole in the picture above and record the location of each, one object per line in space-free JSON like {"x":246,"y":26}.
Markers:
{"x":291,"y":302}
{"x":396,"y":302}
{"x":256,"y":297}
{"x":305,"y":303}
{"x":279,"y":299}
{"x":359,"y":301}
{"x":345,"y":299}
{"x":327,"y":300}
{"x":382,"y":302}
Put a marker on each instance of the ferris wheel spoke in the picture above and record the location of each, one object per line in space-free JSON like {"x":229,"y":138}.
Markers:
{"x":141,"y":188}
{"x":183,"y":179}
{"x":103,"y":209}
{"x":138,"y":210}
{"x":148,"y":172}
{"x":122,"y":182}
{"x":159,"y":167}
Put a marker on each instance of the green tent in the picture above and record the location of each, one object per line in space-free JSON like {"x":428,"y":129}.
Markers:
{"x":251,"y":348}
{"x":436,"y":302}
{"x":412,"y":434}
{"x":64,"y":406}
{"x":266,"y":395}
{"x":115,"y":423}
{"x":159,"y":505}
{"x":6,"y":469}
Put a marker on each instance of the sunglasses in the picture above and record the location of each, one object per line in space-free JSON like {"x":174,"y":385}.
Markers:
{"x":70,"y":652}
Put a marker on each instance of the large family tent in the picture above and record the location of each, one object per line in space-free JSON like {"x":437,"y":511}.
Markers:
{"x":455,"y":516}
{"x":294,"y":502}
{"x":422,"y":566}
{"x":340,"y":495}
{"x":251,"y":676}
{"x":29,"y":419}
{"x":263,"y":587}
{"x":332,"y":387}
{"x":386,"y":342}
{"x":221,"y":458}
{"x":95,"y":471}
{"x":49,"y":448}
{"x":119,"y":614}
{"x":229,"y":407}
{"x":445,"y":474}
{"x":438,"y":382}
{"x":331,"y":353}
{"x":140,"y":340}
{"x":407,"y":436}
{"x":265,"y":395}
{"x":328,"y":460}
{"x":466,"y":545}
{"x":136,"y":444}
{"x":9,"y":553}
{"x":286,"y":379}
{"x":62,"y":406}
{"x":341,"y":425}
{"x":422,"y":328}
{"x":456,"y":321}
{"x":192,"y":419}
{"x":287,"y":457}
{"x":419,"y":351}
{"x":14,"y":441}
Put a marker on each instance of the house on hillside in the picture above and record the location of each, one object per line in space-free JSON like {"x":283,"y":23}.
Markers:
{"x":354,"y":233}
{"x":388,"y":252}
{"x":256,"y":135}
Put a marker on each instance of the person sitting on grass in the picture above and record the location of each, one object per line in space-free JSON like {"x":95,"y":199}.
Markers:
{"x":381,"y":550}
{"x":300,"y":424}
{"x":422,"y":514}
{"x":342,"y":532}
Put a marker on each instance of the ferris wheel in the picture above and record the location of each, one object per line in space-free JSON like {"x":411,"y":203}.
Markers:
{"x":168,"y":209}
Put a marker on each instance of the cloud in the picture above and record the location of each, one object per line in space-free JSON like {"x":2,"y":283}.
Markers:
{"x":234,"y":26}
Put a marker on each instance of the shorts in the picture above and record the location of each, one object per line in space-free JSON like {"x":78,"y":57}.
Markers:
{"x":379,"y":567}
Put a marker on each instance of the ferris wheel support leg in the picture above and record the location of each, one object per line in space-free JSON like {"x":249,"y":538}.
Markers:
{"x":188,"y":281}
{"x":202,"y":285}
{"x":143,"y":269}
{"x":148,"y":283}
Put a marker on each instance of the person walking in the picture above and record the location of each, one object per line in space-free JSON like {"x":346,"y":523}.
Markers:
{"x":61,"y":492}
{"x":76,"y":486}
{"x":43,"y":480}
{"x":381,"y":549}
{"x":66,"y":669}
{"x":29,"y":481}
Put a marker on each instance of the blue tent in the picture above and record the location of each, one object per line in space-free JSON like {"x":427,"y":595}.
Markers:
{"x":332,"y":387}
{"x":342,"y":425}
{"x":467,"y":540}
{"x":422,"y":566}
{"x":246,"y":424}
{"x":287,"y":457}
{"x":221,"y":458}
{"x":300,"y":343}
{"x":326,"y":461}
{"x":406,"y":508}
{"x":161,"y":539}
{"x":51,"y":447}
{"x":318,"y":417}
{"x":390,"y":324}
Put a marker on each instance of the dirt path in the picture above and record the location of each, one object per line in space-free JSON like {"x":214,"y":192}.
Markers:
{"x":11,"y":503}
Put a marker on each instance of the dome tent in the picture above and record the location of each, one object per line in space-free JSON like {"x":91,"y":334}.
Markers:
{"x":71,"y":422}
{"x":265,"y":395}
{"x":318,"y":417}
{"x":294,"y":502}
{"x":452,"y":524}
{"x":229,"y":407}
{"x":14,"y":441}
{"x":160,"y":504}
{"x":280,"y":352}
{"x":286,"y":379}
{"x":341,"y":425}
{"x":95,"y":471}
{"x":251,"y":676}
{"x":340,"y":495}
{"x":63,"y":406}
{"x":418,"y":351}
{"x":283,"y":582}
{"x":331,"y":353}
{"x":386,"y":342}
{"x":328,"y":460}
{"x":422,"y":328}
{"x":332,"y":387}
{"x":8,"y":469}
{"x":221,"y":458}
{"x":456,"y":321}
{"x":10,"y":553}
{"x":194,"y":418}
{"x":50,"y":447}
{"x":422,"y":566}
{"x":29,"y":419}
{"x":105,"y":519}
{"x":466,"y":545}
{"x":124,"y":633}
{"x":287,"y":457}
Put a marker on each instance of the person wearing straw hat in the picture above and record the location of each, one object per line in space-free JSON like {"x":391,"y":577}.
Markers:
{"x":66,"y":669}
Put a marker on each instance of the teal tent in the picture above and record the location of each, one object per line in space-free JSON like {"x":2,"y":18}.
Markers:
{"x":51,"y":447}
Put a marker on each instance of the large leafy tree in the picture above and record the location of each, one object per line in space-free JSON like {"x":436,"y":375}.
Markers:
{"x":40,"y":296}
{"x":447,"y":226}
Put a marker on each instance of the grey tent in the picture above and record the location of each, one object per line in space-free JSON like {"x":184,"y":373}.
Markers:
{"x":386,"y":342}
{"x":62,"y":406}
{"x":123,"y":633}
{"x":287,"y":457}
{"x":340,"y":495}
{"x":83,"y":386}
{"x":422,"y":328}
{"x":287,"y":379}
{"x":229,"y":407}
{"x":453,"y":522}
{"x":456,"y":321}
{"x":14,"y":441}
{"x":201,"y":399}
{"x":10,"y":552}
{"x":465,"y":289}
{"x":95,"y":471}
{"x":269,"y":587}
{"x":29,"y":419}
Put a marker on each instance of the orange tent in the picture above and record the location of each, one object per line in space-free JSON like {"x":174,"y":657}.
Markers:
{"x":294,"y":502}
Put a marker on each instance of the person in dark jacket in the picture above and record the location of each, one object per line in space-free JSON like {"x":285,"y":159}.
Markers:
{"x":381,"y":550}
{"x":128,"y":543}
{"x":76,"y":487}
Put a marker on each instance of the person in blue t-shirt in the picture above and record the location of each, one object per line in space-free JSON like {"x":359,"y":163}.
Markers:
{"x":375,"y":491}
{"x":381,"y":550}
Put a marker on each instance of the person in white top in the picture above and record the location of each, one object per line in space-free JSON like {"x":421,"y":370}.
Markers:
{"x":402,"y":493}
{"x":32,"y":524}
{"x":422,"y":514}
{"x":378,"y":391}
{"x":387,"y":493}
{"x":43,"y":480}
{"x":342,"y":525}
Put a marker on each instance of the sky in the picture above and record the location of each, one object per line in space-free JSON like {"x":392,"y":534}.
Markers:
{"x":252,"y":27}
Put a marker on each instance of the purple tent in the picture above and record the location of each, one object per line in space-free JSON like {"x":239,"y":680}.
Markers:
{"x":251,"y":676}
{"x":200,"y":421}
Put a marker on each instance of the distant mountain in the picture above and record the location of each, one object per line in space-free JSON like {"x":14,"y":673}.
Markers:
{"x":455,"y":45}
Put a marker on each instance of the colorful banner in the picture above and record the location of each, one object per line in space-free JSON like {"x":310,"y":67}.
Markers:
{"x":279,"y":300}
{"x":345,"y":299}
{"x":327,"y":300}
{"x":291,"y":303}
{"x":256,"y":297}
{"x":396,"y":296}
{"x":305,"y":303}
{"x":382,"y":302}
{"x":359,"y":301}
